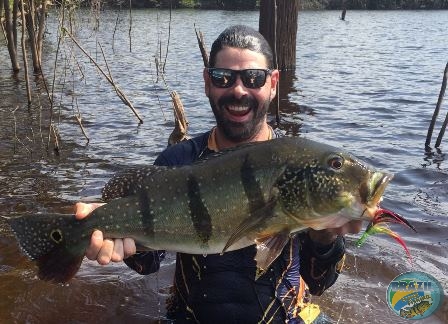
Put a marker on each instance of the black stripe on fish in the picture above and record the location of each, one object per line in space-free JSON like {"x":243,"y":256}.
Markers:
{"x":251,"y":186}
{"x":258,"y":208}
{"x":147,"y":216}
{"x":199,"y":214}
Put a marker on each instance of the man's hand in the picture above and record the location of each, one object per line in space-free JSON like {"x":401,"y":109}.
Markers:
{"x":100,"y":249}
{"x":327,"y":236}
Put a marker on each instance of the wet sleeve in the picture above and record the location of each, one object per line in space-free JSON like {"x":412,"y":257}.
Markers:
{"x":145,"y":262}
{"x":320,"y":265}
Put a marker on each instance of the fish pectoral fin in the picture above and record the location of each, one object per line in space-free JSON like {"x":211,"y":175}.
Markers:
{"x":268,"y":249}
{"x":250,"y":224}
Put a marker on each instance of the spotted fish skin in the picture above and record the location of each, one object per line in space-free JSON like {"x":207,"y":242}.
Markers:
{"x":415,"y":310}
{"x":258,"y":193}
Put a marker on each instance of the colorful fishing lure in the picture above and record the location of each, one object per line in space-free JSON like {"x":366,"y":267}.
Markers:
{"x":375,"y":227}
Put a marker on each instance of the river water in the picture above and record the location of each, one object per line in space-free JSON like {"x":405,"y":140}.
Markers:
{"x":368,"y":84}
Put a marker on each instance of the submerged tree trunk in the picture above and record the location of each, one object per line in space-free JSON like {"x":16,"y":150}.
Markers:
{"x":344,"y":11}
{"x":42,"y":15}
{"x":10,"y":37}
{"x":15,"y":15}
{"x":25,"y":63}
{"x":35,"y":25}
{"x":436,"y":113}
{"x":1,"y":18}
{"x":31,"y":26}
{"x":278,"y":24}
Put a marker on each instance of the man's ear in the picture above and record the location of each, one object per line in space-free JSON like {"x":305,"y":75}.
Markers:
{"x":206,"y":81}
{"x":275,"y":76}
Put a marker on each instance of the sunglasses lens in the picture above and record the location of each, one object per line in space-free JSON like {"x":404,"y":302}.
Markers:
{"x":225,"y":78}
{"x":222,"y":78}
{"x":253,"y":78}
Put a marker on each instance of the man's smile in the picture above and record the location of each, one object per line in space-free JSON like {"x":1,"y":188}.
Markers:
{"x":238,"y":113}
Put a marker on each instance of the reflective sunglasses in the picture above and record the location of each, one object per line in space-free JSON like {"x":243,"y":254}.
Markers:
{"x":251,"y":78}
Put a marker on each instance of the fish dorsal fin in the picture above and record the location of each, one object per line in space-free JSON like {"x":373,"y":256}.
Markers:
{"x":268,"y":249}
{"x":129,"y":182}
{"x":251,"y":224}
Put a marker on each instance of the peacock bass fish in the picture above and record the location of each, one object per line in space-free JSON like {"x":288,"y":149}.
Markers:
{"x":259,"y":193}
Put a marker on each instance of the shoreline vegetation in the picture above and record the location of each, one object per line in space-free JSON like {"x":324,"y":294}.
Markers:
{"x":304,"y":4}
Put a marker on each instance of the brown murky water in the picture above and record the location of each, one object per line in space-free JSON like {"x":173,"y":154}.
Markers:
{"x":368,"y":84}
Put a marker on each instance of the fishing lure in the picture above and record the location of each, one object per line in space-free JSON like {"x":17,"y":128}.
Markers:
{"x":375,"y":227}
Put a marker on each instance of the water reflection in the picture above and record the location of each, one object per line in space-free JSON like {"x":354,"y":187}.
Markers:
{"x":433,"y":157}
{"x":286,"y":114}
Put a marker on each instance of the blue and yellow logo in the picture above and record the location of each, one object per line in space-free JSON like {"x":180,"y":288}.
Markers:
{"x":414,"y":295}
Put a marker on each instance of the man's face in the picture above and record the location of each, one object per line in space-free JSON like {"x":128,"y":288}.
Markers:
{"x":240,"y":111}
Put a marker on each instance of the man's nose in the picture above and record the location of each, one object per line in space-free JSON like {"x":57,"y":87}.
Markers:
{"x":239,"y":89}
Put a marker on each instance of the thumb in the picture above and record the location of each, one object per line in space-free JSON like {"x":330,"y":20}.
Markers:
{"x":82,"y":209}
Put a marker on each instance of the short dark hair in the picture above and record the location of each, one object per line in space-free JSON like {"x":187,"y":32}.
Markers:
{"x":243,"y":37}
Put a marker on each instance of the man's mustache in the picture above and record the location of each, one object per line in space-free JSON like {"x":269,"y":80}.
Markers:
{"x":245,"y":101}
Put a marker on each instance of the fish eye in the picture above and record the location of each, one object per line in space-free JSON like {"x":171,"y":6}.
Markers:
{"x":336,"y":162}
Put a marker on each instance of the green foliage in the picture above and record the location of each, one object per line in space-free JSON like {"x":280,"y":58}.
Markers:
{"x":203,"y":4}
{"x":208,"y":4}
{"x":255,"y":4}
{"x":11,"y":2}
{"x":384,"y":4}
{"x":220,"y":4}
{"x":238,"y":4}
{"x":190,"y":3}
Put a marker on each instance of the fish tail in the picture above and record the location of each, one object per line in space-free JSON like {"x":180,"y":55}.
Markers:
{"x":54,"y":242}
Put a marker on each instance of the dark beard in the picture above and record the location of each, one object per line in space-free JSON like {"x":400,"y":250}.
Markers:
{"x":239,"y":132}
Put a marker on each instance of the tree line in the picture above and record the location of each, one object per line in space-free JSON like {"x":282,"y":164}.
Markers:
{"x":304,"y":4}
{"x":385,"y":4}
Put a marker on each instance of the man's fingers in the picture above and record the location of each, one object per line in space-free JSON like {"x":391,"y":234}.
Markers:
{"x":352,"y":227}
{"x":355,"y":226}
{"x":83,"y":209}
{"x":106,"y":251}
{"x":100,"y":249}
{"x":117,"y":252}
{"x":96,"y":242}
{"x":129,"y":247}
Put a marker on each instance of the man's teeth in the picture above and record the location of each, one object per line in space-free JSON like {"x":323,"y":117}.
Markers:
{"x":238,"y":108}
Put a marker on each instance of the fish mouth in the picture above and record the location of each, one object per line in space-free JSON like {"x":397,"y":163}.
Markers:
{"x":371,"y":195}
{"x":371,"y":192}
